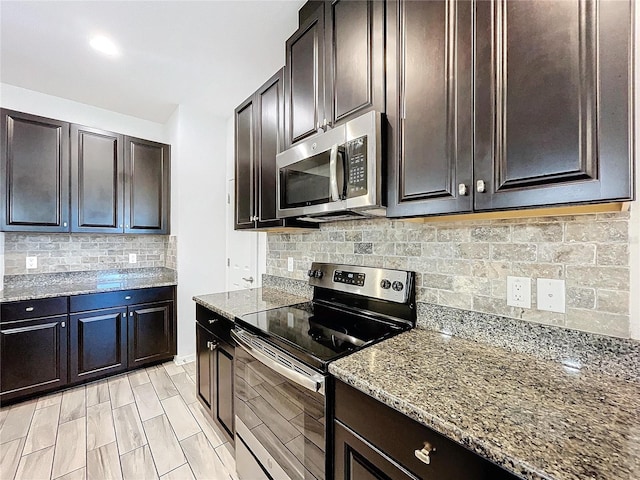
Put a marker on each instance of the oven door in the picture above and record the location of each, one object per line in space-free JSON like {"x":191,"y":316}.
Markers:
{"x":280,"y":413}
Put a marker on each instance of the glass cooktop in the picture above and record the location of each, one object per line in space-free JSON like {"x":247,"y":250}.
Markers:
{"x":317,"y":334}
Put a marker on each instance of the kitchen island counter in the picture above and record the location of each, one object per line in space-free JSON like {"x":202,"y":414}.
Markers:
{"x":240,"y":302}
{"x":536,"y":418}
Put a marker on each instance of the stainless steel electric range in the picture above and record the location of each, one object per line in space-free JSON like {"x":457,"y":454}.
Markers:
{"x":282,"y":358}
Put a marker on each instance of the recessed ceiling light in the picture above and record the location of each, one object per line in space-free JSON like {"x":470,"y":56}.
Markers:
{"x":104,"y":45}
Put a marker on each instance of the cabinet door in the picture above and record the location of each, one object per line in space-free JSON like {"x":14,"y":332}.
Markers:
{"x":429,"y":87}
{"x":34,"y":356}
{"x":204,"y":367}
{"x":269,"y":142}
{"x":357,"y":459}
{"x":245,"y":165}
{"x":223,"y":387}
{"x":98,"y":342}
{"x":146,"y":186}
{"x":96,"y":180}
{"x":354,"y":45}
{"x":304,"y":79}
{"x":151,"y":333}
{"x":552,"y":102}
{"x":35,"y":173}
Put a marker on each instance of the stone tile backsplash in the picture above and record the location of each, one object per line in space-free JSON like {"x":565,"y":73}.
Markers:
{"x":63,"y":252}
{"x":465,"y":264}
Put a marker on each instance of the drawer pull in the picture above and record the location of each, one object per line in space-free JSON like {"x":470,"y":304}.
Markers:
{"x":29,"y":309}
{"x":423,"y":455}
{"x":212,"y":320}
{"x":128,"y":297}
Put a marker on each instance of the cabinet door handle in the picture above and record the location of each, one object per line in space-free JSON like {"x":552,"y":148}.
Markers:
{"x":480,"y":186}
{"x":213,"y":346}
{"x":64,"y":324}
{"x":128,"y":297}
{"x":462,"y":189}
{"x":131,"y":314}
{"x":64,"y":224}
{"x":250,"y":279}
{"x":29,"y":309}
{"x":423,"y":454}
{"x":212,"y":320}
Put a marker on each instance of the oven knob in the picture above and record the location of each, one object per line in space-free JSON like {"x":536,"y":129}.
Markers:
{"x":310,"y":273}
{"x":397,"y":286}
{"x":319,"y":274}
{"x":386,"y":284}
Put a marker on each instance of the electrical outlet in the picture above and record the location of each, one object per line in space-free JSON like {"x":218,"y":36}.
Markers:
{"x":133,"y":258}
{"x":32,"y":262}
{"x":550,"y":295}
{"x":519,"y":292}
{"x":290,"y":264}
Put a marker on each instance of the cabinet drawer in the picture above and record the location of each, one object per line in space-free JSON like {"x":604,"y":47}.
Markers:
{"x":399,"y":437}
{"x":27,"y":309}
{"x":95,"y":301}
{"x":214,"y":323}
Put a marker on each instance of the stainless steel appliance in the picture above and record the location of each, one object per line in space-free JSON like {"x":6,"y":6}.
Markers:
{"x":335,"y":174}
{"x":281,"y":364}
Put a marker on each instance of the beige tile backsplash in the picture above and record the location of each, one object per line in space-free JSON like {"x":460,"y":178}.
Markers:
{"x":63,"y":252}
{"x":465,"y":264}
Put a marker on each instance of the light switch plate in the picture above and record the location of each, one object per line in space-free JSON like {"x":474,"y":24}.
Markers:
{"x":550,"y":295}
{"x":133,"y":258}
{"x":32,"y":262}
{"x":519,"y":292}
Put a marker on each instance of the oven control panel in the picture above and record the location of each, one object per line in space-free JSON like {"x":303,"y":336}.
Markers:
{"x":350,"y":278}
{"x":380,"y":283}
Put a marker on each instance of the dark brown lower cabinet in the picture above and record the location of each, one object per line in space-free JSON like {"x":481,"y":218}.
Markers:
{"x":98,"y":343}
{"x":33,"y":356}
{"x":396,"y":447}
{"x":214,"y":362}
{"x":150,"y":333}
{"x":49,"y":343}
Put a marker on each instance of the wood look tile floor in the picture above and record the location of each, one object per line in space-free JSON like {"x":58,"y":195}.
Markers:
{"x":142,"y":425}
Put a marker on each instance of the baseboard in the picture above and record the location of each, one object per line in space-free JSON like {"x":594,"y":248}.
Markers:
{"x":181,"y":360}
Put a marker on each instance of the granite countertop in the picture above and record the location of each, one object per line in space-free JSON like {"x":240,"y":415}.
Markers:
{"x":536,"y":418}
{"x":31,"y":287}
{"x":241,"y":302}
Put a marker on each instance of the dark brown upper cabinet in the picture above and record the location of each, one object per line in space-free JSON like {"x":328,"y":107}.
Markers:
{"x":334,"y":66}
{"x":97,"y":173}
{"x":429,"y":107}
{"x":354,"y":56}
{"x":552,"y":103}
{"x":304,"y":52}
{"x":538,"y":114}
{"x":146,"y":186}
{"x":259,"y":137}
{"x":30,"y":202}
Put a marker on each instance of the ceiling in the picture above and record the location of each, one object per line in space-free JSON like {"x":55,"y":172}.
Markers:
{"x":214,"y":53}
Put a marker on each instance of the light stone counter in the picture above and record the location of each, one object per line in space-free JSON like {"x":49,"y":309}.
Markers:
{"x":46,"y":285}
{"x":241,"y":302}
{"x":536,"y":418}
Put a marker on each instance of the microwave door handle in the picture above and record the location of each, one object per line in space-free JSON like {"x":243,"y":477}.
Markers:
{"x":333,"y":173}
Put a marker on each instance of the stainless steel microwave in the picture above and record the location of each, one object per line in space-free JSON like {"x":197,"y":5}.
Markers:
{"x":333,"y":175}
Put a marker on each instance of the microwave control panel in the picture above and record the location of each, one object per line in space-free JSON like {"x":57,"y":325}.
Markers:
{"x":356,"y":153}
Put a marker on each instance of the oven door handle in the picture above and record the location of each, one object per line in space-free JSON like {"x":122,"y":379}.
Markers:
{"x":314,"y":383}
{"x":333,"y":173}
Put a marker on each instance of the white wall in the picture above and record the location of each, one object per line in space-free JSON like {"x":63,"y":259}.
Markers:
{"x":198,"y":210}
{"x":28,"y":101}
